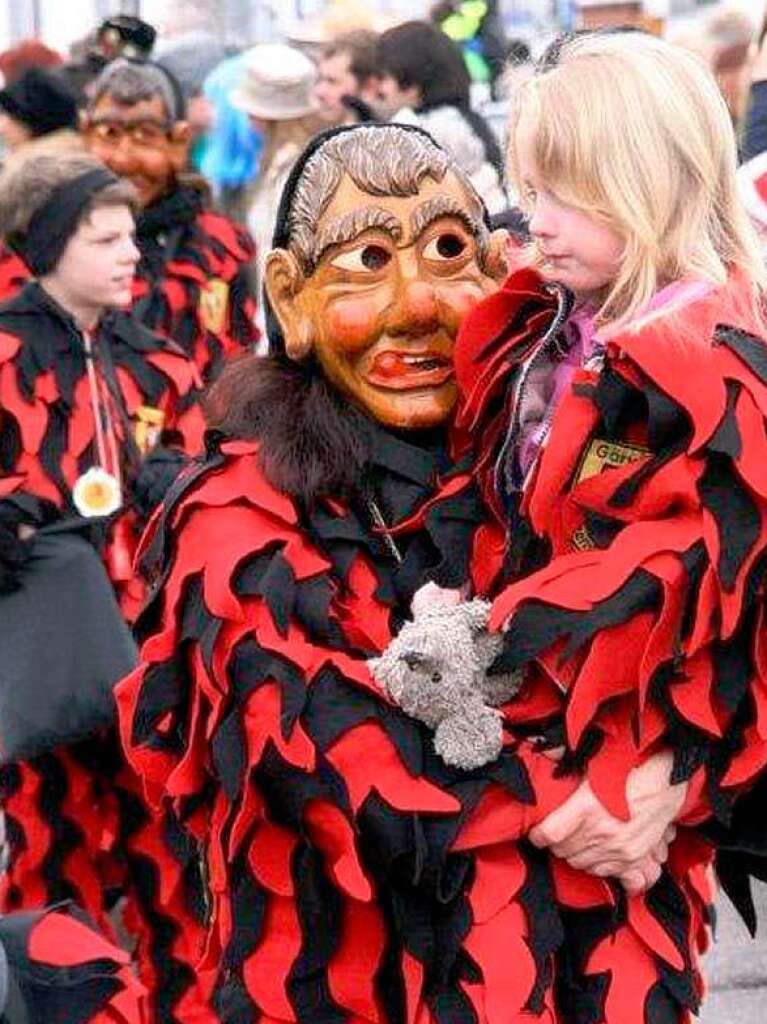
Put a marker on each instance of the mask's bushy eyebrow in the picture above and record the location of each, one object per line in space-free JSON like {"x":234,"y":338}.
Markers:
{"x":346,"y":228}
{"x":446,"y":206}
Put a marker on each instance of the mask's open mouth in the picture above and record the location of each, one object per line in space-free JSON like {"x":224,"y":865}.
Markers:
{"x":406,"y":370}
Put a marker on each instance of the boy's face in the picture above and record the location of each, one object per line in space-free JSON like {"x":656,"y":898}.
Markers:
{"x":138,"y":143}
{"x":97,"y":267}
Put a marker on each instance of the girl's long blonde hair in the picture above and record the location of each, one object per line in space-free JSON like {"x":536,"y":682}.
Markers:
{"x":634,"y":130}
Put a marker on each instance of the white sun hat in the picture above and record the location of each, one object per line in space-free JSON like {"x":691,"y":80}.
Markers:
{"x":276,"y":83}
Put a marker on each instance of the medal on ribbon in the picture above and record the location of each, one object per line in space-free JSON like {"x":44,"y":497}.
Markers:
{"x":96,"y":493}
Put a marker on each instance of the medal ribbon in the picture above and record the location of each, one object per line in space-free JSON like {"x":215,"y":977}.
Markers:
{"x":109,"y":460}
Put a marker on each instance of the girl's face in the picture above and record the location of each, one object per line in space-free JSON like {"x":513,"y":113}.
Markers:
{"x":577,"y":248}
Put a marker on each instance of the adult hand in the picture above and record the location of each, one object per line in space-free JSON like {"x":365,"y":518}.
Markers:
{"x":645,"y":872}
{"x":589,"y":838}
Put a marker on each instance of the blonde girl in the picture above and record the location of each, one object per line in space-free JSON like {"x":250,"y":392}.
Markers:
{"x":616,"y":390}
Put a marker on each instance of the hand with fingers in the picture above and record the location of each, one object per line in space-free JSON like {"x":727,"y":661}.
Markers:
{"x":582,"y":832}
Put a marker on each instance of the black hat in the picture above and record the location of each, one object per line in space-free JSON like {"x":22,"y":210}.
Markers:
{"x":126,"y":35}
{"x":41,"y":101}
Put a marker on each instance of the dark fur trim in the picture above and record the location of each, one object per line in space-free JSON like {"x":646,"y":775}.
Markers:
{"x":314,"y":442}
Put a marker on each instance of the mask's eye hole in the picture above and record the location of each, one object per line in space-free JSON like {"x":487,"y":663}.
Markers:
{"x":371,"y":258}
{"x":447,"y":246}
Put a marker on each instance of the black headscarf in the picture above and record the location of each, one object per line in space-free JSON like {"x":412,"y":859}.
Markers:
{"x":53,"y":224}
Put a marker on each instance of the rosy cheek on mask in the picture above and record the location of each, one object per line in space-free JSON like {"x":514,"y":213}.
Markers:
{"x":352,"y":323}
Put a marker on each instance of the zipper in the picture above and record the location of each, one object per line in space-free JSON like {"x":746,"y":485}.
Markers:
{"x":564,"y":307}
{"x":204,"y":875}
{"x":380,"y":523}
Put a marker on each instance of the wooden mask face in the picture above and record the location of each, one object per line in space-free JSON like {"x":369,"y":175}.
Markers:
{"x":394,"y":278}
{"x":138,"y":143}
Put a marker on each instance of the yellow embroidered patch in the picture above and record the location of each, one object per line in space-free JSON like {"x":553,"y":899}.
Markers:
{"x":582,"y":540}
{"x":602,"y":454}
{"x":148,"y":427}
{"x":214,"y":305}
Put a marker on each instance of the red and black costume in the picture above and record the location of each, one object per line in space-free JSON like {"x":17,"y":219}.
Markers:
{"x":61,"y":813}
{"x":339,"y":869}
{"x":633,"y":590}
{"x":192,"y":283}
{"x":54,"y":967}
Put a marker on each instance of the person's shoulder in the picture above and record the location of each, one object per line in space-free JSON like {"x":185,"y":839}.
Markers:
{"x":134,"y":344}
{"x":232,"y":239}
{"x":693,"y":348}
{"x":231,"y":474}
{"x":14,"y":273}
{"x":220,"y":509}
{"x":26,"y":319}
{"x":689,"y":320}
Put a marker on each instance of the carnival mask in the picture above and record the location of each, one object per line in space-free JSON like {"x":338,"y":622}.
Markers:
{"x":391,"y":278}
{"x":138,"y":143}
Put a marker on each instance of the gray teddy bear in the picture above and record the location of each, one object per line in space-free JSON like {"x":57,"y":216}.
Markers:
{"x":435,"y":669}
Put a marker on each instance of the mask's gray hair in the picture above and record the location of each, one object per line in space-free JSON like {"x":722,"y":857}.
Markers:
{"x":381,"y":161}
{"x":128,"y":82}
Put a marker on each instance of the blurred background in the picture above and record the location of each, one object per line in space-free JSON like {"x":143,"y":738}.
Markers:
{"x":238,"y":22}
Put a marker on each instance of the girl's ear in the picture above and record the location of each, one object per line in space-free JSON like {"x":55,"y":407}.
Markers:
{"x":283,"y":281}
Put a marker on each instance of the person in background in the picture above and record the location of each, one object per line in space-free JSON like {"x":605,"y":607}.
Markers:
{"x":731,"y":36}
{"x":231,"y":158}
{"x":346,"y":89}
{"x":192,"y":283}
{"x":29,"y":53}
{"x":476,"y":26}
{"x":55,"y":966}
{"x":518,"y":67}
{"x":190,"y":58}
{"x":752,"y":173}
{"x":124,"y":35}
{"x":192,"y":280}
{"x":97,"y":416}
{"x":38,"y":105}
{"x":724,"y":42}
{"x":424,"y":81}
{"x":276,"y":92}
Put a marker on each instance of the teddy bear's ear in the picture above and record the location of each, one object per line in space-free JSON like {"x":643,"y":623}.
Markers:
{"x":476,"y":613}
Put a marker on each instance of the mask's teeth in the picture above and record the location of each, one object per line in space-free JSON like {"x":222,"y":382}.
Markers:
{"x":425,"y":362}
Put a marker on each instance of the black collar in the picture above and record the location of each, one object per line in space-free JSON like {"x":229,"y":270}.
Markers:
{"x":178,"y":208}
